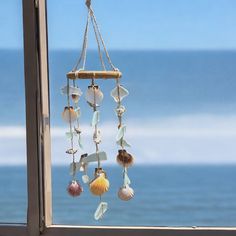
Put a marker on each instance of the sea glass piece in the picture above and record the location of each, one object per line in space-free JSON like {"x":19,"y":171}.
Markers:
{"x":78,"y":111}
{"x":119,"y":93}
{"x":74,"y":167}
{"x":94,"y":96}
{"x":93,"y":157}
{"x":121,"y":133}
{"x":72,"y":91}
{"x":96,"y":118}
{"x":126,"y":179}
{"x":102,"y":208}
{"x":70,"y":134}
{"x":85,"y":179}
{"x":123,"y":143}
{"x":80,"y":143}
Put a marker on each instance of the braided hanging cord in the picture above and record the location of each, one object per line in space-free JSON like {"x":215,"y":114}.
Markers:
{"x":99,"y":39}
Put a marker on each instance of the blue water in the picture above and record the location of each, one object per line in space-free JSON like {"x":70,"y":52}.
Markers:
{"x":165,"y":196}
{"x":162,"y":84}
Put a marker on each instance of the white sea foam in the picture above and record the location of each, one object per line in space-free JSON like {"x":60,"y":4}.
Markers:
{"x":191,"y":139}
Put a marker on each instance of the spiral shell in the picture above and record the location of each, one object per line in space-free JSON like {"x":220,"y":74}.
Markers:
{"x":74,"y":189}
{"x":125,"y":193}
{"x":94,"y":95}
{"x":124,"y":158}
{"x":100,"y":184}
{"x":69,"y":114}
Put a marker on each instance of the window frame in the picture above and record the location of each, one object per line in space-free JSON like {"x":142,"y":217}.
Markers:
{"x":39,"y":214}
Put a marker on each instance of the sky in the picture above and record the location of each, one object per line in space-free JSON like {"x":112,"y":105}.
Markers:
{"x":131,"y":24}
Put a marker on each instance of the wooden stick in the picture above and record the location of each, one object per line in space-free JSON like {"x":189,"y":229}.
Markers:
{"x":94,"y":75}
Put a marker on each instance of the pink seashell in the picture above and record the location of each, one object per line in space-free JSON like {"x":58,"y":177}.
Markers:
{"x":74,"y":189}
{"x":126,"y":193}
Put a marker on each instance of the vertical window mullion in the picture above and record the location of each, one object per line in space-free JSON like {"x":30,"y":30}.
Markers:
{"x":37,"y":116}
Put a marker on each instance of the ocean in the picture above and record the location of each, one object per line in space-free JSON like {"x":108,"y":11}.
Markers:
{"x":181,"y":122}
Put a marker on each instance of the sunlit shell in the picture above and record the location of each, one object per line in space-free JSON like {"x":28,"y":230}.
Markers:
{"x":99,"y":185}
{"x":119,"y":93}
{"x":74,"y":189}
{"x":124,"y":158}
{"x":69,"y":114}
{"x":94,"y":95}
{"x":125,"y":193}
{"x":71,"y":90}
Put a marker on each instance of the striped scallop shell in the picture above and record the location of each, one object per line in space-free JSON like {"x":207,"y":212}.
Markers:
{"x":125,"y":193}
{"x":74,"y":189}
{"x":99,"y":185}
{"x":94,"y":96}
{"x":69,"y":114}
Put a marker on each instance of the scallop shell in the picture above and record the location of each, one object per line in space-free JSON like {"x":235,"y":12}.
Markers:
{"x":126,"y":193}
{"x":94,"y":95}
{"x":124,"y":158}
{"x":69,"y":114}
{"x":71,"y":90}
{"x":74,"y":189}
{"x":119,"y":93}
{"x":99,"y":185}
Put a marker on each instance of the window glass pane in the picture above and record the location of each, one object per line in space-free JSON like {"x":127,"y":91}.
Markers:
{"x":178,"y":61}
{"x":13,"y":191}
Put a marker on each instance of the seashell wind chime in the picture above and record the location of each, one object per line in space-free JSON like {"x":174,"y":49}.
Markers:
{"x":99,"y":184}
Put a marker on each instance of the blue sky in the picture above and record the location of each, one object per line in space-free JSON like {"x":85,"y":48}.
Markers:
{"x":132,"y":24}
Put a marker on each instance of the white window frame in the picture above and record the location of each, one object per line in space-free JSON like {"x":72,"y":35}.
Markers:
{"x":39,"y":214}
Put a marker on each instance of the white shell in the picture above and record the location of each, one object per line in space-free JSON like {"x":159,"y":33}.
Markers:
{"x":85,"y":179}
{"x":120,"y":110}
{"x":119,"y":93}
{"x":94,"y":96}
{"x":97,"y":137}
{"x":69,"y":115}
{"x":102,"y":208}
{"x":72,"y":91}
{"x":126,"y":193}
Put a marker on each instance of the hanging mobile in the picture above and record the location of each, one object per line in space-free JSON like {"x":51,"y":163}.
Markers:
{"x":99,"y":184}
{"x":125,"y":159}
